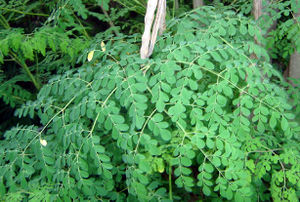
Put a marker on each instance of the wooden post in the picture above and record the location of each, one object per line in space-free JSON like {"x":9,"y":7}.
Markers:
{"x":257,"y":12}
{"x":176,"y":4}
{"x":257,"y":8}
{"x":197,"y":3}
{"x":158,"y":27}
{"x":294,"y":66}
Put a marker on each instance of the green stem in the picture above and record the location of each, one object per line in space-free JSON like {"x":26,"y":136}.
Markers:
{"x":170,"y":182}
{"x":24,"y":13}
{"x":174,"y":4}
{"x":37,"y":68}
{"x":232,"y":3}
{"x":26,"y":68}
{"x":84,"y":30}
{"x":4,"y":22}
{"x":110,"y":22}
{"x":20,"y":99}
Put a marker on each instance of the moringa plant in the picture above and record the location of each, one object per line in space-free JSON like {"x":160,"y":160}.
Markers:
{"x":198,"y":120}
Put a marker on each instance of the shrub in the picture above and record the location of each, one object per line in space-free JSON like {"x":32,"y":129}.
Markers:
{"x":201,"y":119}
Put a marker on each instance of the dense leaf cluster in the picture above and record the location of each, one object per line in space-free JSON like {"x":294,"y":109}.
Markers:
{"x":42,"y":38}
{"x":37,"y":49}
{"x":200,"y":118}
{"x":21,"y":47}
{"x":285,"y":39}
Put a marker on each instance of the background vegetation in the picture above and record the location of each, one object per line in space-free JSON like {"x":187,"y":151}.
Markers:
{"x":211,"y":116}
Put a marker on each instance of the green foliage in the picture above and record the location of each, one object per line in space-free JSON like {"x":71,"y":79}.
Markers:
{"x":279,"y":24}
{"x":13,"y":94}
{"x":138,"y":6}
{"x":285,"y":39}
{"x":199,"y":117}
{"x":43,"y":43}
{"x":37,"y":50}
{"x":15,"y":42}
{"x":294,"y":94}
{"x":39,"y":39}
{"x":21,"y":48}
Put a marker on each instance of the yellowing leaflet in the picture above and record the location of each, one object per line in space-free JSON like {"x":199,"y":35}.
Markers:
{"x":103,"y":46}
{"x":43,"y":142}
{"x":90,"y":55}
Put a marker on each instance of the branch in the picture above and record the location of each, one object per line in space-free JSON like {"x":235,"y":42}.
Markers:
{"x":25,"y":13}
{"x":26,"y":68}
{"x":111,"y":24}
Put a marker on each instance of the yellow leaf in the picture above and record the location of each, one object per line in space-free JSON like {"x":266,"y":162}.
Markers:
{"x":90,"y":55}
{"x":103,"y":46}
{"x":43,"y":142}
{"x":160,"y":165}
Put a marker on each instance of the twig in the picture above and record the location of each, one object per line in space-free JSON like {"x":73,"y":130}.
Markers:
{"x":84,"y":30}
{"x":26,"y":68}
{"x":110,"y":22}
{"x":4,"y":22}
{"x":25,"y":13}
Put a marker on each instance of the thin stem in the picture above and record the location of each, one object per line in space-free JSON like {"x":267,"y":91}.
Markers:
{"x":4,"y":22}
{"x":84,"y":30}
{"x":137,"y":6}
{"x":170,"y":181}
{"x":25,"y":67}
{"x":174,"y":4}
{"x":233,"y":2}
{"x":44,"y":128}
{"x":111,"y":24}
{"x":37,"y":65}
{"x":20,"y":99}
{"x":24,"y":13}
{"x":94,"y":124}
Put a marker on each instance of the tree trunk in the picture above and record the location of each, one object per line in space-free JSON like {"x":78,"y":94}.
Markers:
{"x":272,"y":26}
{"x":257,"y":12}
{"x":152,"y":30}
{"x":274,"y":22}
{"x":257,"y":9}
{"x":294,"y":67}
{"x":176,"y":4}
{"x":197,"y":3}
